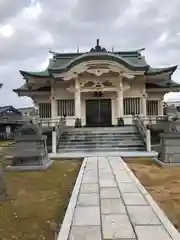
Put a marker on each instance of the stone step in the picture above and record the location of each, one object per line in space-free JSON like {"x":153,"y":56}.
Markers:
{"x":119,"y":142}
{"x":124,"y":142}
{"x":101,"y":141}
{"x":97,"y":146}
{"x":123,"y":149}
{"x":102,"y":129}
{"x":100,"y":136}
{"x":98,"y":139}
{"x":102,"y":133}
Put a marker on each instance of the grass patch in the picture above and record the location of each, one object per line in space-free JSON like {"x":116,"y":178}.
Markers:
{"x":162,"y":183}
{"x":5,"y":143}
{"x":38,"y":201}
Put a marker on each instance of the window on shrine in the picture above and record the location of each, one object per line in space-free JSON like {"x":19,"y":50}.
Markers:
{"x":131,"y":106}
{"x":66,"y":107}
{"x":45,"y":110}
{"x":152,"y":107}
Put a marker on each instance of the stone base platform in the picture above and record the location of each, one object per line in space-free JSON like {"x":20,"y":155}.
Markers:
{"x":101,"y":154}
{"x":29,"y":168}
{"x":108,"y":202}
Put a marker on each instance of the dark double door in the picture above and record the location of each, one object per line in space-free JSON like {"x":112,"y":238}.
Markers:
{"x":98,"y":113}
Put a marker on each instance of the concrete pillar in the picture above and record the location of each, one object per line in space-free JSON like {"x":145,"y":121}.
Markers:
{"x":77,"y":96}
{"x":53,"y":103}
{"x":144,"y":108}
{"x":53,"y":108}
{"x":148,"y":140}
{"x":54,"y":140}
{"x":161,"y":108}
{"x":120,"y":105}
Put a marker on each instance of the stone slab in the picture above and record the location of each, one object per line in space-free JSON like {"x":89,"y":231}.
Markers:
{"x":112,"y":206}
{"x":128,"y":187}
{"x":107,"y":183}
{"x":117,"y":227}
{"x":109,"y":193}
{"x":90,"y":178}
{"x":152,"y":233}
{"x":88,"y":199}
{"x":87,"y":216}
{"x":123,"y":178}
{"x":81,"y":154}
{"x":85,"y":233}
{"x":89,"y":188}
{"x":134,"y":199}
{"x":142,"y":215}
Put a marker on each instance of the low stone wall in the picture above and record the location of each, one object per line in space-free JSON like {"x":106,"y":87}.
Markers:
{"x":170,"y":147}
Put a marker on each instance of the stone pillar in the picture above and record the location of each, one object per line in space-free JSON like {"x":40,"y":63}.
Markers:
{"x":54,"y":140}
{"x":53,"y":103}
{"x":53,"y":108}
{"x":144,"y":107}
{"x":120,"y":105}
{"x":77,"y":96}
{"x":148,"y":140}
{"x":161,"y":108}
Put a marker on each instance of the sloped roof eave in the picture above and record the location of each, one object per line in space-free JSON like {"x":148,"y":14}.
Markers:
{"x":43,"y":74}
{"x":156,"y":71}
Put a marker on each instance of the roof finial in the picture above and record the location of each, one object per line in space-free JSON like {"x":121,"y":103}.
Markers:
{"x":97,"y":43}
{"x":77,"y":49}
{"x":112,"y":49}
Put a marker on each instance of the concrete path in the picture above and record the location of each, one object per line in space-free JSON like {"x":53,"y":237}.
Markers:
{"x":108,"y":202}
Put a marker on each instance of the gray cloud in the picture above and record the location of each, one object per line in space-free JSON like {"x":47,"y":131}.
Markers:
{"x":8,"y":8}
{"x":102,"y":11}
{"x":64,"y":25}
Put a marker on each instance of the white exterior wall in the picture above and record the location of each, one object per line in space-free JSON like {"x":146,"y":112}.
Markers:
{"x":136,"y":90}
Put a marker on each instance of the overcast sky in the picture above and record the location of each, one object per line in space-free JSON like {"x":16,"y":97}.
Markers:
{"x":30,"y":28}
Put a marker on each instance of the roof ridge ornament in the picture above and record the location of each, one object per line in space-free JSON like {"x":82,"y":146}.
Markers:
{"x":98,"y":48}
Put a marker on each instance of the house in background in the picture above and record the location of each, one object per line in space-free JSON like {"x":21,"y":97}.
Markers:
{"x":98,"y":87}
{"x":10,"y":119}
{"x":28,"y":113}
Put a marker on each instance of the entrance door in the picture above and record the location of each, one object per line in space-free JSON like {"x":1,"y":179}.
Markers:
{"x":98,"y":112}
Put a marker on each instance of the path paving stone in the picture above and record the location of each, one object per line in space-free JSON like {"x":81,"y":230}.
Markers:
{"x":142,"y":215}
{"x":134,"y":199}
{"x":152,"y":233}
{"x":117,"y":227}
{"x":88,"y":199}
{"x":109,"y":193}
{"x":85,"y":233}
{"x":111,"y":204}
{"x":89,"y":215}
{"x":89,"y":188}
{"x":107,"y":183}
{"x":127,"y":187}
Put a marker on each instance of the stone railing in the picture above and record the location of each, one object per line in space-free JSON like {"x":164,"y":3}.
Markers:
{"x":57,"y":132}
{"x":49,"y":122}
{"x":144,"y":131}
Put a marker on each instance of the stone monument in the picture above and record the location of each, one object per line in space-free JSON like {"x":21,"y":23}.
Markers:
{"x":169,"y":153}
{"x":29,"y":152}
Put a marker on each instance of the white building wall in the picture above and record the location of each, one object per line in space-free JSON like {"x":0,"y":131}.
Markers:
{"x":136,"y":90}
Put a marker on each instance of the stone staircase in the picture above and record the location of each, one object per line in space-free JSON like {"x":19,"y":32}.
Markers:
{"x":101,"y":140}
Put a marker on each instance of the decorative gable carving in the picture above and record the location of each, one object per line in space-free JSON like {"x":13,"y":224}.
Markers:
{"x":96,"y":84}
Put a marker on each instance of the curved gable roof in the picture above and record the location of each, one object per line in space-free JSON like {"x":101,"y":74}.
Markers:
{"x":99,"y":56}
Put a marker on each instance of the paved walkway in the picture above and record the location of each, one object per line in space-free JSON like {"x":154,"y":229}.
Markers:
{"x":108,"y":202}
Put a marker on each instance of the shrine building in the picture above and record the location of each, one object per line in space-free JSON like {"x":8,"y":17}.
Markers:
{"x":98,"y":87}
